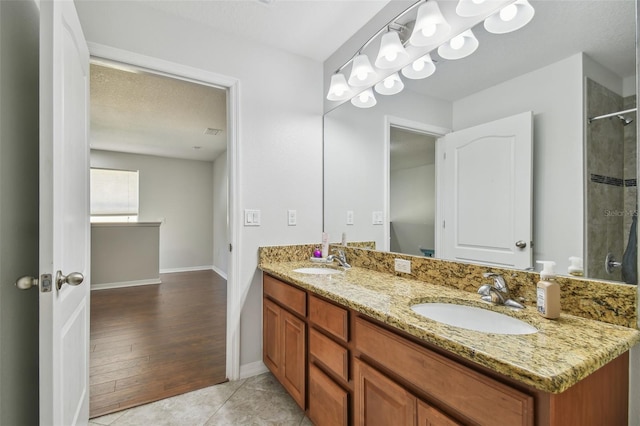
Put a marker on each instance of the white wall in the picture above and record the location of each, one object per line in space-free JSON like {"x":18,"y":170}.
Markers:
{"x":554,"y":94}
{"x":180,"y":194}
{"x":280,"y":141}
{"x":19,"y":23}
{"x":355,"y":157}
{"x":220,"y":222}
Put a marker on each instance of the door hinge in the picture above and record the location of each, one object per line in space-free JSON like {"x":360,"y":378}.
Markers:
{"x":230,"y":247}
{"x":443,"y":224}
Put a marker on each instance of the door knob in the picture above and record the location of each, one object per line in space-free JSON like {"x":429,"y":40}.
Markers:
{"x":26,"y":282}
{"x":74,"y":278}
{"x":521,"y":244}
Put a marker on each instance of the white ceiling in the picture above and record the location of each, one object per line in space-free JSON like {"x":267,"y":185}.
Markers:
{"x":150,"y":114}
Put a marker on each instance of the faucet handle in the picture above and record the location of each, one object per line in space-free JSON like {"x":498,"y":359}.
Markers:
{"x":499,"y":282}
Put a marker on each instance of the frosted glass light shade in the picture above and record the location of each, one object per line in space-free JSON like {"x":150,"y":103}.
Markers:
{"x":422,"y":67}
{"x":510,"y":18}
{"x":430,"y":25}
{"x":469,"y":8}
{"x":460,"y":46}
{"x":390,"y":85}
{"x":391,"y":53}
{"x":365,"y":99}
{"x":362,"y":73}
{"x":339,"y":90}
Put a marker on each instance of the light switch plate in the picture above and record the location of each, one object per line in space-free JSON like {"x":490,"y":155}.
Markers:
{"x":251,"y":217}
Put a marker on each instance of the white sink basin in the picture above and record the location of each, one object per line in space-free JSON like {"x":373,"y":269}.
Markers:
{"x":473,"y":318}
{"x":317,"y":271}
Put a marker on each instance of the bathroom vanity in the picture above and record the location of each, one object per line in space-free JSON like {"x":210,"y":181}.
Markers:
{"x":349,"y":350}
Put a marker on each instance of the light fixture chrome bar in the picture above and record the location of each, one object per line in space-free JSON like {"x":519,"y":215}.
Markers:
{"x":383,"y":29}
{"x":613,"y":114}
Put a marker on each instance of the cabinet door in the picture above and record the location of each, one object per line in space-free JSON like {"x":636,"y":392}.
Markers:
{"x":429,"y":416}
{"x":293,"y":356}
{"x":328,"y":402}
{"x":379,"y":400}
{"x":271,"y":344}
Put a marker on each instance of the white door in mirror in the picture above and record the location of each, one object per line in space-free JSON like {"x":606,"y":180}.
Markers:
{"x":486,"y":193}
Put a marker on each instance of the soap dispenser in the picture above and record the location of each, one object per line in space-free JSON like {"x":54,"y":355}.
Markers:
{"x":548,"y":291}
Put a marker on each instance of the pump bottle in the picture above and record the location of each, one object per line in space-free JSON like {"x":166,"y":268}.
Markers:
{"x":548,"y":291}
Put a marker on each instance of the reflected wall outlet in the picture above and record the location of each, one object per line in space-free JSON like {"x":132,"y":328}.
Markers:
{"x":349,"y":217}
{"x":377,"y":218}
{"x":402,"y":265}
{"x":292,"y":217}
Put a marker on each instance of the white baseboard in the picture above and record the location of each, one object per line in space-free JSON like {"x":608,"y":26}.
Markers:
{"x":219,"y":272}
{"x":186,"y":269}
{"x":252,"y":369}
{"x":105,"y":286}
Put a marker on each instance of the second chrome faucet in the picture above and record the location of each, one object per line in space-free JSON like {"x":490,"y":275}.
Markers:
{"x":498,"y":292}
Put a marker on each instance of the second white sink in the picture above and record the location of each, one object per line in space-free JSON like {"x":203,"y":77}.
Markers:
{"x":472,"y":318}
{"x":317,"y":271}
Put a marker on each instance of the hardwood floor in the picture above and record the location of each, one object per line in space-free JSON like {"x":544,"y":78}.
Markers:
{"x":155,"y":341}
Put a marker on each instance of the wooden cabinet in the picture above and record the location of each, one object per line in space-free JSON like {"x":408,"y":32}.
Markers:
{"x":284,"y":340}
{"x":328,"y":402}
{"x":351,"y":369}
{"x":379,"y":400}
{"x":429,"y":416}
{"x":329,"y":385}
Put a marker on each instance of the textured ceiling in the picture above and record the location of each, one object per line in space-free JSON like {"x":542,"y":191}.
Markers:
{"x":151,"y":114}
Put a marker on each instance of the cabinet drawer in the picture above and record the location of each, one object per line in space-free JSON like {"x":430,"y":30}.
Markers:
{"x":329,"y":353}
{"x":444,"y":380}
{"x":286,"y":295}
{"x":331,"y":318}
{"x":328,"y":402}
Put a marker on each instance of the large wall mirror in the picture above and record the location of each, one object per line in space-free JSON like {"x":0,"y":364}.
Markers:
{"x":574,"y":61}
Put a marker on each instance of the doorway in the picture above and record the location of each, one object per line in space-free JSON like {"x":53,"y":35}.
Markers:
{"x":182,"y":258}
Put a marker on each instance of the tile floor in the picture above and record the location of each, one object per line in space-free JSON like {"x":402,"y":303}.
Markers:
{"x":258,"y":400}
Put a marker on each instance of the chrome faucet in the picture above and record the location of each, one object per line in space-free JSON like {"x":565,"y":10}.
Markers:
{"x":341,"y":258}
{"x":498,"y":292}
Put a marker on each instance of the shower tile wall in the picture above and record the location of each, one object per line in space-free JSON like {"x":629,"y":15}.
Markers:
{"x":605,"y":182}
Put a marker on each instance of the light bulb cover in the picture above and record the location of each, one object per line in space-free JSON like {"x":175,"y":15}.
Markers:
{"x":470,"y":8}
{"x":392,"y":52}
{"x":362,"y":73}
{"x":468,"y":46}
{"x":422,"y":67}
{"x":524,"y":14}
{"x":390,"y":85}
{"x":430,"y":25}
{"x":339,"y":90}
{"x":365,"y":99}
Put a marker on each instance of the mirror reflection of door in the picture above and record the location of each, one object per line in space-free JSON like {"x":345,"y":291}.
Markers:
{"x":412,"y":192}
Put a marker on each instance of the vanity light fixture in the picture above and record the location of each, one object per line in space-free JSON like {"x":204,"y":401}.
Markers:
{"x":422,"y":67}
{"x":510,"y":18}
{"x":392,"y":52}
{"x":469,"y":8}
{"x":364,"y":99}
{"x":430,"y":25}
{"x":459,"y":46}
{"x":362,"y":73}
{"x":339,"y":90}
{"x":390,"y":85}
{"x":412,"y":57}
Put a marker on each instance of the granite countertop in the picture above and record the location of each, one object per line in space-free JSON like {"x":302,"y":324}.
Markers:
{"x":559,"y":355}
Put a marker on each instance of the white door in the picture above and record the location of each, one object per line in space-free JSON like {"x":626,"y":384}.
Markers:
{"x":486,"y":193}
{"x":64,"y":216}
